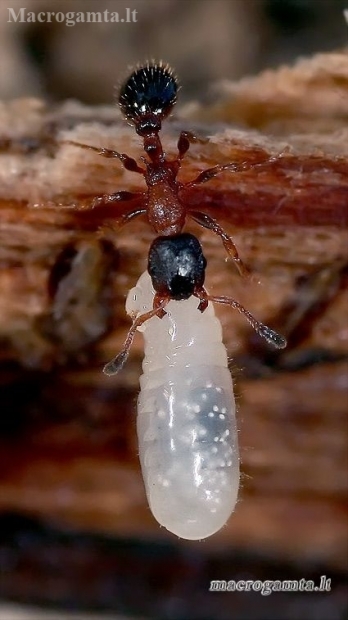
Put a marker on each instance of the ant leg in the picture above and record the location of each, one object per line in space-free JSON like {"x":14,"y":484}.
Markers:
{"x":117,"y":363}
{"x":210,"y":173}
{"x":124,"y":219}
{"x":271,"y":336}
{"x":185,"y":139}
{"x":128,"y":162}
{"x":115,"y":226}
{"x":208,"y":222}
{"x":202,"y":295}
{"x":97,"y":201}
{"x":127,"y":217}
{"x":109,"y":199}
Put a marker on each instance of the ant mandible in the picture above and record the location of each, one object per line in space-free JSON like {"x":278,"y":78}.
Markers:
{"x":146,"y":99}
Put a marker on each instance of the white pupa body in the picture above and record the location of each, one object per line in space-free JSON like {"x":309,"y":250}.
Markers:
{"x":186,"y":417}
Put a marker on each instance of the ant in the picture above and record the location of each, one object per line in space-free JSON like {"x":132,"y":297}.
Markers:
{"x":186,"y":410}
{"x":176,"y":263}
{"x":146,"y":99}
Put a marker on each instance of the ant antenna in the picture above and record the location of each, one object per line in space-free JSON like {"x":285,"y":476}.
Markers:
{"x":271,"y":336}
{"x":117,"y":363}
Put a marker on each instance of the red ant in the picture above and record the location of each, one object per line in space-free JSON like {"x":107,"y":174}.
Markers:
{"x":190,"y":492}
{"x":146,"y":99}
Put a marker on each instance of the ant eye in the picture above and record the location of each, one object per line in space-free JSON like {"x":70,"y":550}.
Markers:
{"x":151,"y":89}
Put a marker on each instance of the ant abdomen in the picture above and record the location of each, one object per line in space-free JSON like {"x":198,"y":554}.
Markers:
{"x":148,"y":96}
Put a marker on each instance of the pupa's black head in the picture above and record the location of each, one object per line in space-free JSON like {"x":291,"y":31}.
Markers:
{"x":176,"y":265}
{"x":148,"y":96}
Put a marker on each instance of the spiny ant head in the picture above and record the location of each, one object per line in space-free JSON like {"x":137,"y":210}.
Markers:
{"x":148,"y":96}
{"x":176,"y":265}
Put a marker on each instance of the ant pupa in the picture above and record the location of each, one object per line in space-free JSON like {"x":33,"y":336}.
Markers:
{"x":186,"y":421}
{"x":186,"y":409}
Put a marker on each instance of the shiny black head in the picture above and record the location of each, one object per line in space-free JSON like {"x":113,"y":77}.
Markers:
{"x":148,"y":96}
{"x":176,"y":265}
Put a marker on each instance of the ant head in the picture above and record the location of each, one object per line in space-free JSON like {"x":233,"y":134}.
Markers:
{"x":176,"y":265}
{"x":148,"y":96}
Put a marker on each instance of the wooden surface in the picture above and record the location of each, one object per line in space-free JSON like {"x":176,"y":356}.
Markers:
{"x":68,"y":449}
